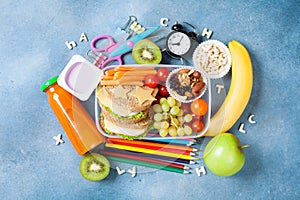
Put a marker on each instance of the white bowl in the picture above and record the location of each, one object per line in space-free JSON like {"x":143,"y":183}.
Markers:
{"x":178,"y":97}
{"x":213,"y":57}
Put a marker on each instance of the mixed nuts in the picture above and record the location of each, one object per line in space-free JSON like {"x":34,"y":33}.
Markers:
{"x":187,"y":84}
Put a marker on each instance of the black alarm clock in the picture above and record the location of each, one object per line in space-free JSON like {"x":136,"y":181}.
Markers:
{"x":180,"y":41}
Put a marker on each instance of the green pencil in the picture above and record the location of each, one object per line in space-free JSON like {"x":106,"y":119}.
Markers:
{"x":147,"y":164}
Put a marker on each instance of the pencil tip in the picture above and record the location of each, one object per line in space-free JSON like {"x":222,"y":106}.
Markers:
{"x":193,"y":162}
{"x":186,"y":167}
{"x":192,"y":154}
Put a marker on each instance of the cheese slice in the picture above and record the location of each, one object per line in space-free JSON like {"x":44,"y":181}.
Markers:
{"x":143,"y":95}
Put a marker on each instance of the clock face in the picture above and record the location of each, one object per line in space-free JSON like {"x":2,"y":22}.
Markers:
{"x":178,"y":43}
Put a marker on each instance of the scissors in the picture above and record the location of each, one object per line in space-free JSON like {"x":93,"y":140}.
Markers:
{"x":116,"y":50}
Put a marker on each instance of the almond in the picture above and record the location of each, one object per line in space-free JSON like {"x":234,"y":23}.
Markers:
{"x":197,"y":88}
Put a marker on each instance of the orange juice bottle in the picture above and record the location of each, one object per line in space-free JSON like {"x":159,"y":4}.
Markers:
{"x":75,"y":120}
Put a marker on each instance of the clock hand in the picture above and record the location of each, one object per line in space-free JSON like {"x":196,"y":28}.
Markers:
{"x":180,"y":39}
{"x":178,"y":43}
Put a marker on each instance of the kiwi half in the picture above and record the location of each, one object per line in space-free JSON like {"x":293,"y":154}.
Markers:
{"x":146,"y":52}
{"x":94,"y":167}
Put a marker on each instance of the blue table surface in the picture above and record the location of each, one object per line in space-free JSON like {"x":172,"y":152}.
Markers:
{"x":32,"y":50}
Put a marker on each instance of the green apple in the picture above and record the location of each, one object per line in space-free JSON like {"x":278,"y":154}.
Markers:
{"x":223,"y":155}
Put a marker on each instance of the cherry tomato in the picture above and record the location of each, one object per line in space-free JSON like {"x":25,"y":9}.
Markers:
{"x":199,"y":107}
{"x":197,"y":126}
{"x":163,"y":91}
{"x":162,"y":74}
{"x":151,"y":80}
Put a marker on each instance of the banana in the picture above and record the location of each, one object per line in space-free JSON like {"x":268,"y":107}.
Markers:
{"x":239,"y":91}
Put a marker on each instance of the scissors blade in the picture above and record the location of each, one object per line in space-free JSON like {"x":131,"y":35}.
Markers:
{"x":128,"y":44}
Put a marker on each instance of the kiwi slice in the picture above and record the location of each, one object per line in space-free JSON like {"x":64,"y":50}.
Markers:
{"x":94,"y":167}
{"x":146,"y":52}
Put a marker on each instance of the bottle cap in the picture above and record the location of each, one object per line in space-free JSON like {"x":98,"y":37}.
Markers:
{"x":49,"y":82}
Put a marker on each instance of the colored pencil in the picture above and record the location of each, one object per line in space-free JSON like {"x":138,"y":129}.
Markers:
{"x":154,"y":144}
{"x":149,"y":160}
{"x":188,"y":139}
{"x":149,"y":145}
{"x":150,"y":151}
{"x":173,"y":141}
{"x":146,"y":164}
{"x":158,"y":137}
{"x":164,"y":158}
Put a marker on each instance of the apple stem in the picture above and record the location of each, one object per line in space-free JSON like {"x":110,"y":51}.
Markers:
{"x":245,"y":146}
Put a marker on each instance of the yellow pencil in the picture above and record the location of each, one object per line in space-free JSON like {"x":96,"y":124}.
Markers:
{"x":150,"y":151}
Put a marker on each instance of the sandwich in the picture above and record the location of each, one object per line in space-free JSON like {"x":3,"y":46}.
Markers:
{"x":125,"y":109}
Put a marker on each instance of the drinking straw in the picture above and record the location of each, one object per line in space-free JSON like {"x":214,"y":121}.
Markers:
{"x":155,"y":144}
{"x":149,"y":145}
{"x":172,"y":141}
{"x":149,"y":160}
{"x":146,"y":164}
{"x":150,"y":151}
{"x":164,"y":158}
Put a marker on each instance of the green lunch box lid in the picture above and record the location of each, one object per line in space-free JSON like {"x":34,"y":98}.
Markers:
{"x":49,"y":82}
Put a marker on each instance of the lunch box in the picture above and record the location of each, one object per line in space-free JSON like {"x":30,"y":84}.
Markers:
{"x":153,"y":134}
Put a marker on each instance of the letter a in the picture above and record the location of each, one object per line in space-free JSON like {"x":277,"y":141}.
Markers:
{"x":83,"y":37}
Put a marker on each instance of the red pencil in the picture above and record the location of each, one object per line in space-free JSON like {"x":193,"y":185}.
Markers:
{"x":150,"y":160}
{"x":154,"y":146}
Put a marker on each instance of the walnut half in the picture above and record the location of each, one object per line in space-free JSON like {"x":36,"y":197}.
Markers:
{"x":184,"y":79}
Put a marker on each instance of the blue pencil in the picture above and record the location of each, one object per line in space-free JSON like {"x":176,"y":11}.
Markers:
{"x":173,"y":141}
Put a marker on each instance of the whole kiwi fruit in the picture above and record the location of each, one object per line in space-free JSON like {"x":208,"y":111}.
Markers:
{"x":94,"y":167}
{"x":146,"y":52}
